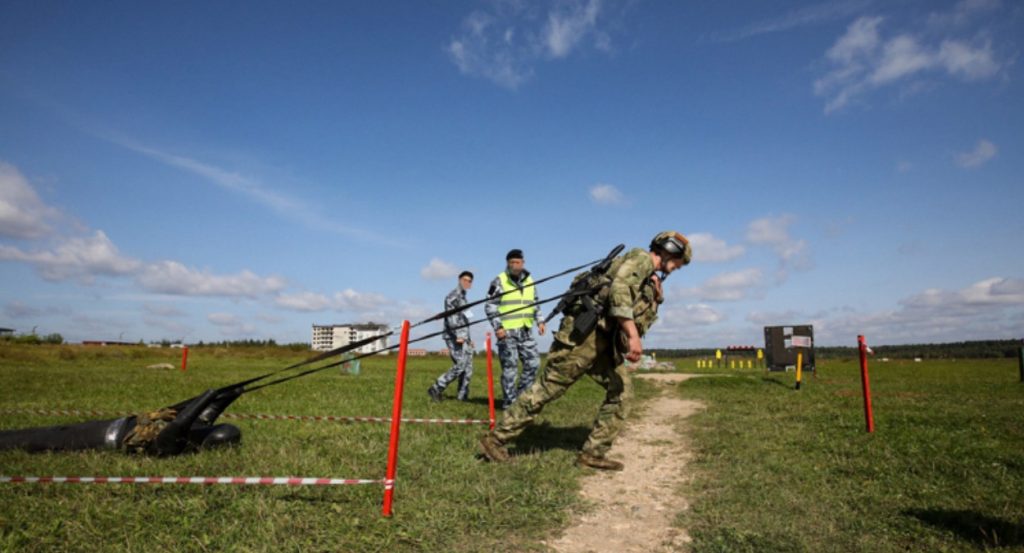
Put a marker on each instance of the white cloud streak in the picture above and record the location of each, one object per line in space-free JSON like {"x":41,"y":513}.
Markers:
{"x":803,"y":17}
{"x":251,"y":188}
{"x":982,"y":153}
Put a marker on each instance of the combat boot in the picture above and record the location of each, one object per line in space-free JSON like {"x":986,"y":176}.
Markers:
{"x":602,"y":463}
{"x":494,"y":449}
{"x":434,"y":393}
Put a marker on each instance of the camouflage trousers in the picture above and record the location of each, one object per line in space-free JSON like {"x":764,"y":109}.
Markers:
{"x":517,"y":346}
{"x":462,"y":367}
{"x":596,"y":357}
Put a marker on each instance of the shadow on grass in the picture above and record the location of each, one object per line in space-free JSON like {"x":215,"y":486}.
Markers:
{"x":776,"y":382}
{"x":544,"y":437}
{"x":974,"y":527}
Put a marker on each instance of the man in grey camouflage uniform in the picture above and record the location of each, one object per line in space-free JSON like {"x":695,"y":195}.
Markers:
{"x":456,"y":337}
{"x":626,"y":301}
{"x":510,"y":291}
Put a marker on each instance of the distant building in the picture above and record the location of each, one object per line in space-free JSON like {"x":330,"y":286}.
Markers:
{"x":417,"y":352}
{"x":328,"y":337}
{"x":6,"y":332}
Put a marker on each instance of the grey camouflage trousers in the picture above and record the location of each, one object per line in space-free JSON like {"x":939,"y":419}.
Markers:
{"x":462,"y":367}
{"x":518,"y":345}
{"x":595,"y":357}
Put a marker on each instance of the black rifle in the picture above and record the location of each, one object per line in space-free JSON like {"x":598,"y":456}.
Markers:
{"x":583,"y":287}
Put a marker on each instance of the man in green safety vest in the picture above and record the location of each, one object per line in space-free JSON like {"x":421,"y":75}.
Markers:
{"x":510,"y":292}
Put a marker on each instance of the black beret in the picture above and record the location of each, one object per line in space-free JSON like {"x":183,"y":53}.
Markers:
{"x":514,"y":254}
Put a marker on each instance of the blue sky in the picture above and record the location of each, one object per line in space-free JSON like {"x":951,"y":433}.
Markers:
{"x":233,"y":170}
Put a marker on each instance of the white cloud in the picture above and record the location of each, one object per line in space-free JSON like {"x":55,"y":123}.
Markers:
{"x":438,"y":269}
{"x":862,"y":60}
{"x":172,"y":277}
{"x":988,"y":309}
{"x":79,"y":257}
{"x":175,"y":329}
{"x":731,"y":286}
{"x":774,"y":232}
{"x":861,"y":38}
{"x":567,"y":26}
{"x":980,"y":155}
{"x":163,"y":310}
{"x":346,"y":300}
{"x":20,"y":310}
{"x":503,"y":45}
{"x":304,"y":301}
{"x":223,"y":319}
{"x":22,"y":213}
{"x":231,"y":325}
{"x":709,"y":249}
{"x":605,"y":194}
{"x":692,"y":314}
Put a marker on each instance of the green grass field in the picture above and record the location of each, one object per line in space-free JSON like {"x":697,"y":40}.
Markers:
{"x":776,"y":470}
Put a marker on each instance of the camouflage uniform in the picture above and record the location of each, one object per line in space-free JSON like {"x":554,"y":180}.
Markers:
{"x":455,"y":326}
{"x":518,"y":345}
{"x":631,"y":295}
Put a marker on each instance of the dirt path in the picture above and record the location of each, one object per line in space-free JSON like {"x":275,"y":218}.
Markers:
{"x":635,"y":508}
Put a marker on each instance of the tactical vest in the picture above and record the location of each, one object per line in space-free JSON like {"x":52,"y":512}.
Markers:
{"x":516,"y":297}
{"x":589,"y":312}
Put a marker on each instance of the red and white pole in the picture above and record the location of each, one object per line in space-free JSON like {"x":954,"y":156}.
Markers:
{"x":490,"y":381}
{"x":865,"y":383}
{"x":184,"y":358}
{"x":396,"y":420}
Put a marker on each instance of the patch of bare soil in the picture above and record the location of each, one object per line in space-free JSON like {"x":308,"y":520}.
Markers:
{"x":635,"y":508}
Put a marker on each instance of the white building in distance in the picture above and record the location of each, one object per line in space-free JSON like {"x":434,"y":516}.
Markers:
{"x":328,"y":337}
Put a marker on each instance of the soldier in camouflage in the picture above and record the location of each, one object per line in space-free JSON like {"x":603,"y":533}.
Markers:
{"x":510,"y":291}
{"x":626,"y":300}
{"x":456,"y":337}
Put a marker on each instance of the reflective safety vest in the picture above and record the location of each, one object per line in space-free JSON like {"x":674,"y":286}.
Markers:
{"x":516,"y":298}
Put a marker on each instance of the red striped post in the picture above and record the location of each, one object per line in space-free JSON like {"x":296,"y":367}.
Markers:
{"x":490,"y":380}
{"x":396,"y":420}
{"x":865,"y":384}
{"x":184,"y":358}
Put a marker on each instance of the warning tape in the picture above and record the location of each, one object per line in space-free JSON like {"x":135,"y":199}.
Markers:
{"x":206,"y":480}
{"x":249,"y":416}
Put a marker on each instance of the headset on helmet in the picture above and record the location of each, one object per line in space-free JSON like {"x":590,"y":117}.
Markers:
{"x":674,"y":244}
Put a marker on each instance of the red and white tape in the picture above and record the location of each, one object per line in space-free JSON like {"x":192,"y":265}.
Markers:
{"x":249,"y":416}
{"x":206,"y":480}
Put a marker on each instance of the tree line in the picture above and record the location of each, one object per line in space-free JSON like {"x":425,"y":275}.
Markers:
{"x":977,"y":349}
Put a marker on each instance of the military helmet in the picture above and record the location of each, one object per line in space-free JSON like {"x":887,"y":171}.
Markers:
{"x":674,"y":244}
